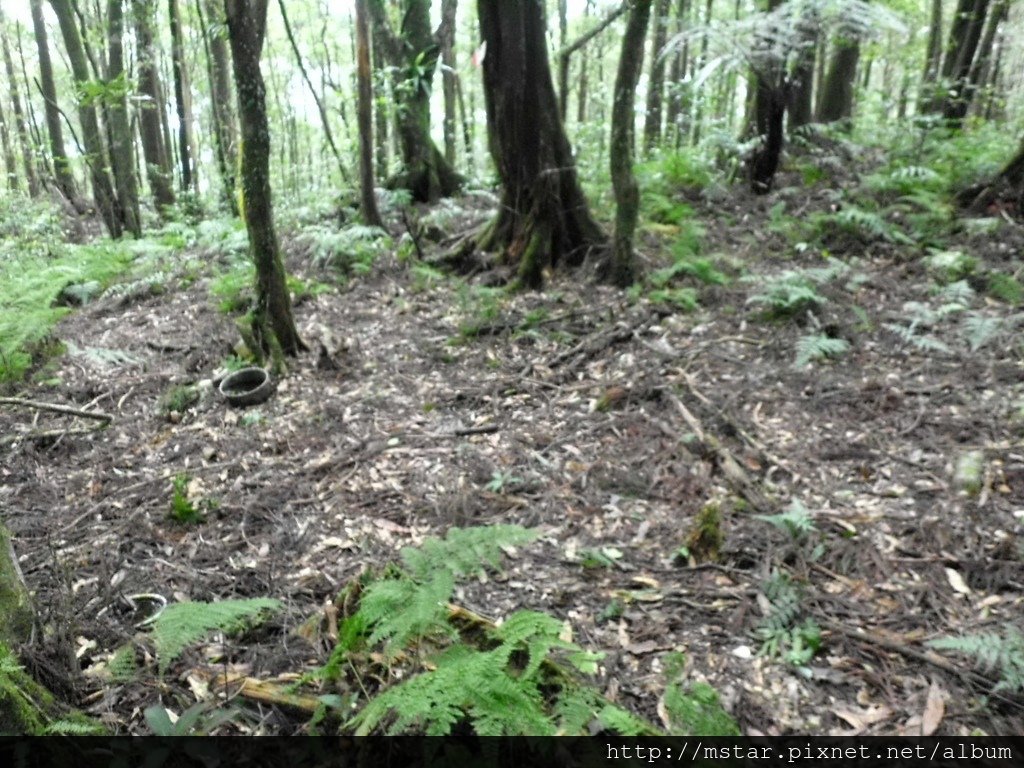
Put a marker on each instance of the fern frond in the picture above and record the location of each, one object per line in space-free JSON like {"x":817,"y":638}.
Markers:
{"x":818,"y":346}
{"x":1002,"y":654}
{"x":979,"y":330}
{"x":182,"y":624}
{"x":400,"y":610}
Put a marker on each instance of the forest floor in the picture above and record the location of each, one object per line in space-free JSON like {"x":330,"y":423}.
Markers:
{"x":606,"y":421}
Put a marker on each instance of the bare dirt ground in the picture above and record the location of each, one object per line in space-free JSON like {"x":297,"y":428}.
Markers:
{"x":607,"y":423}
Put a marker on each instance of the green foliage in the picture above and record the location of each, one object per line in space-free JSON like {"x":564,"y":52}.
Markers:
{"x":513,"y":679}
{"x":349,"y":251}
{"x":695,"y":710}
{"x":1002,"y":654}
{"x":201,"y":719}
{"x":1005,"y":288}
{"x":35,"y":269}
{"x":818,"y":346}
{"x":664,"y":179}
{"x":501,"y":480}
{"x":950,"y":266}
{"x":796,"y":522}
{"x":235,"y":287}
{"x":954,"y":299}
{"x":182,"y":624}
{"x":786,"y":294}
{"x":782,"y":630}
{"x":177,"y":399}
{"x":182,"y":509}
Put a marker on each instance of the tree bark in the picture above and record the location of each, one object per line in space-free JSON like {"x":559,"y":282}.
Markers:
{"x":122,"y":148}
{"x":20,"y":126}
{"x":414,"y":55}
{"x":153,"y":150}
{"x":449,"y":9}
{"x":964,"y":34}
{"x":621,"y":267}
{"x":543,"y":220}
{"x":218,"y":72}
{"x":273,"y":325}
{"x":367,"y":197}
{"x":182,"y":99}
{"x":96,"y":153}
{"x":62,"y":174}
{"x":10,"y":161}
{"x":836,"y":102}
{"x":656,"y":79}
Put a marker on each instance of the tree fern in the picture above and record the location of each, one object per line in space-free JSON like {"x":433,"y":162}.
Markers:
{"x":182,"y":624}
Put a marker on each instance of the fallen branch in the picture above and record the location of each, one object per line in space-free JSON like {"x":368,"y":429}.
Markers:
{"x":106,"y":418}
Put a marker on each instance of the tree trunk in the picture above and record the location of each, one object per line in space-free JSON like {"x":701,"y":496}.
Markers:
{"x":425,"y":172}
{"x":801,"y":94}
{"x":544,"y":219}
{"x":381,"y":118}
{"x":122,"y":148}
{"x":982,"y":60}
{"x":449,"y":9}
{"x":182,"y":98}
{"x":964,"y":35}
{"x":367,"y":198}
{"x":28,"y":156}
{"x":675,"y":122}
{"x":96,"y":154}
{"x":10,"y":161}
{"x":273,"y":325}
{"x":219,"y":74}
{"x":836,"y":101}
{"x":63,"y":177}
{"x":153,"y":150}
{"x":621,"y":267}
{"x":656,"y":79}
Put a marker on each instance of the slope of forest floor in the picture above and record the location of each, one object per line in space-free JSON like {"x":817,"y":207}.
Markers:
{"x":606,"y":420}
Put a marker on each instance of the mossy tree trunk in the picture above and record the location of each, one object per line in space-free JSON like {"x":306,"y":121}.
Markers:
{"x":273,"y":324}
{"x":414,"y":54}
{"x":621,"y":267}
{"x":543,"y":220}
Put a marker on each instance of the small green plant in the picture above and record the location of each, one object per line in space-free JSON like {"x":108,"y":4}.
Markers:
{"x":787,"y":294}
{"x":784,"y":631}
{"x":796,"y":522}
{"x":950,"y":266}
{"x":1005,"y":288}
{"x":1002,"y":654}
{"x":178,"y":399}
{"x":182,"y":509}
{"x":819,"y":346}
{"x":201,"y":719}
{"x":350,"y":251}
{"x":502,"y":480}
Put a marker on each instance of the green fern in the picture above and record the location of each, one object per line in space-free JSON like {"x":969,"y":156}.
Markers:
{"x":796,"y":521}
{"x":818,"y":346}
{"x":695,"y":710}
{"x":400,"y":609}
{"x":182,"y":624}
{"x":782,"y":630}
{"x":979,"y":329}
{"x":1002,"y":654}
